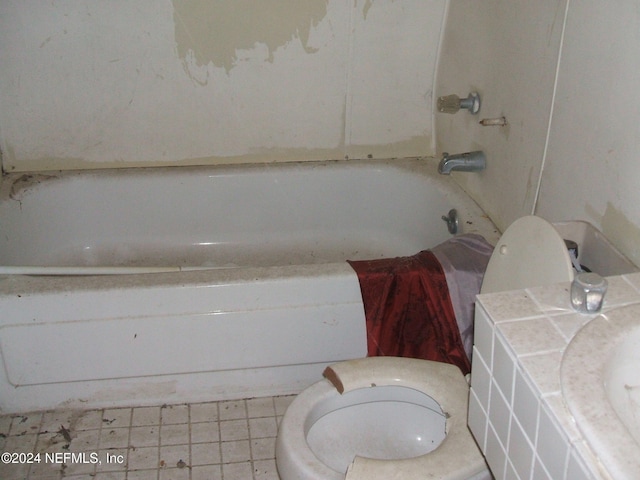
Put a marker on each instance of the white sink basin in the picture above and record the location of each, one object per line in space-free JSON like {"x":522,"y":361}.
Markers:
{"x":600,"y":377}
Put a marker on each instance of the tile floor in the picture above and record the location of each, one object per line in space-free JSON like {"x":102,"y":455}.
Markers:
{"x":227,"y":440}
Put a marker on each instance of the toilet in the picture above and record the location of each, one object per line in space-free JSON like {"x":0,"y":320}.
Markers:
{"x":401,"y":418}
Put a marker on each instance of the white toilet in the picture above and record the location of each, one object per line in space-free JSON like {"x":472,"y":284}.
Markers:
{"x":399,"y":418}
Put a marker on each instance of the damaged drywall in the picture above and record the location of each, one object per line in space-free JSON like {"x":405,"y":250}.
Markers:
{"x":214,"y":32}
{"x":184,"y":82}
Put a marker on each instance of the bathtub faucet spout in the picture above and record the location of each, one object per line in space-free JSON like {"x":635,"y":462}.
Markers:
{"x":462,"y":162}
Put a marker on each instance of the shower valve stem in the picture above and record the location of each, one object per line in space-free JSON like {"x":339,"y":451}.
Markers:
{"x":493,"y":122}
{"x":453,"y":103}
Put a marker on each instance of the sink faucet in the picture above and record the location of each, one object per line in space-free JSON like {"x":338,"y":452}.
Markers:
{"x":462,"y":162}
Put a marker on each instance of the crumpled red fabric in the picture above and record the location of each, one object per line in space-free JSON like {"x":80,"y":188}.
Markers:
{"x":408,"y":309}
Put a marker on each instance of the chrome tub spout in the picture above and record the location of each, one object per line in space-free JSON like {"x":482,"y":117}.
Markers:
{"x":462,"y":162}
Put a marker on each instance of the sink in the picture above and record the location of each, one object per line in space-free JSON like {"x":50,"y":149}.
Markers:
{"x":600,"y":379}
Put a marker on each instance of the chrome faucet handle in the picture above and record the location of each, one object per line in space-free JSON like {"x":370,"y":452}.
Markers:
{"x":453,"y":103}
{"x":452,"y":221}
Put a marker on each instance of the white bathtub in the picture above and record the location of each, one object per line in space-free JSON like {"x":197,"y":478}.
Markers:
{"x":277,"y":303}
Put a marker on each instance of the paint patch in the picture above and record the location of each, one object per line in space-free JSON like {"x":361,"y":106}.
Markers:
{"x":213,"y":32}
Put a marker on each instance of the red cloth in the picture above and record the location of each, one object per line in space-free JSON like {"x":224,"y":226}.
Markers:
{"x":408,"y":309}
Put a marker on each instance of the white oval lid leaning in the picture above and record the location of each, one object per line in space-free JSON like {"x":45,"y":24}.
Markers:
{"x":529,"y":253}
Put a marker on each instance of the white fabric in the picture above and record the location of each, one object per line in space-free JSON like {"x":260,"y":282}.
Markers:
{"x":464,"y":259}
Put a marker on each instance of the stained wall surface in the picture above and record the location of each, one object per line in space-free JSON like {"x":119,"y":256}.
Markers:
{"x":89,"y":84}
{"x":564,"y":75}
{"x":508,"y":52}
{"x":592,"y":167}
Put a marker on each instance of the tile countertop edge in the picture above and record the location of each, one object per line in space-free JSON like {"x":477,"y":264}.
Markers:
{"x":536,"y":325}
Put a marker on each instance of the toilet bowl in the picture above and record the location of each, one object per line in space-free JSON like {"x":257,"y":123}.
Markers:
{"x":381,"y":418}
{"x":339,"y":427}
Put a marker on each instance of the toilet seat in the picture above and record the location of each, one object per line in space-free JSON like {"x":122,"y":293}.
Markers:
{"x":529,"y":253}
{"x":456,"y":458}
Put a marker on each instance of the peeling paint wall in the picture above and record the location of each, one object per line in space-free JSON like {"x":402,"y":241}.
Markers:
{"x":88,"y":84}
{"x":238,"y":25}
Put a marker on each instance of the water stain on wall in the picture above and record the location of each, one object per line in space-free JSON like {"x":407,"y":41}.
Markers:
{"x":367,"y":5}
{"x":622,"y":232}
{"x":212,"y":32}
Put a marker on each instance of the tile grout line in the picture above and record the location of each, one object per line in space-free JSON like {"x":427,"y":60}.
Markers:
{"x":99,"y":439}
{"x":219,"y":439}
{"x":126,"y":467}
{"x":253,"y":468}
{"x":158,"y":447}
{"x":126,"y":472}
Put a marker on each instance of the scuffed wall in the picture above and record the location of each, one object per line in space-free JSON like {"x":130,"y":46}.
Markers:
{"x":88,"y":84}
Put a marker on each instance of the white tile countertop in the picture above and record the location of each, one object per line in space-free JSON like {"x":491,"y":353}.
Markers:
{"x":517,"y":412}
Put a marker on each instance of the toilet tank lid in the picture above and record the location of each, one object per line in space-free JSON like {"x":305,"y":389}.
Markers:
{"x":529,"y":253}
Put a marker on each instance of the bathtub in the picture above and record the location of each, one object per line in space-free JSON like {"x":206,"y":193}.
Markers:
{"x":225,"y":282}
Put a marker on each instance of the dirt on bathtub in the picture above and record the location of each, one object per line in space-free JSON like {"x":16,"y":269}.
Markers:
{"x":17,"y":187}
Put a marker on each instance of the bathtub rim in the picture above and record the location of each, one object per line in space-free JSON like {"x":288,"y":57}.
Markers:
{"x":421,"y":167}
{"x":11,"y":285}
